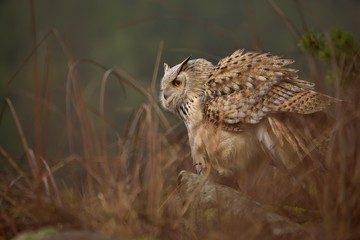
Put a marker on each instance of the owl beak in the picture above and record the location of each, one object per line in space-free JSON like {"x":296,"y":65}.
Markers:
{"x":165,"y":95}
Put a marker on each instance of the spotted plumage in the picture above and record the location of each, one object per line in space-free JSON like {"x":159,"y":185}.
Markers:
{"x":235,"y":110}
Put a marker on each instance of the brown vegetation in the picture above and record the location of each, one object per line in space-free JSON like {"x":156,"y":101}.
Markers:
{"x":125,"y":184}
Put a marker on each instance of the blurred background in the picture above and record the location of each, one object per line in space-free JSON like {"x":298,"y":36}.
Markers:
{"x":128,"y":35}
{"x":78,"y":81}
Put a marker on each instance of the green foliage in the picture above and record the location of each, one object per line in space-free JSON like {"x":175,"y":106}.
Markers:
{"x":338,"y":49}
{"x":300,"y":215}
{"x":343,"y":44}
{"x":35,"y":235}
{"x":315,"y":43}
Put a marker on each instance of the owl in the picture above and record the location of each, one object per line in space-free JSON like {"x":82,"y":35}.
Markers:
{"x":249,"y":107}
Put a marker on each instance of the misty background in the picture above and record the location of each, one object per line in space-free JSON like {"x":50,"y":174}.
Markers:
{"x":127,"y":35}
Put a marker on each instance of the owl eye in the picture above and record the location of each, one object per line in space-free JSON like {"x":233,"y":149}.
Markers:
{"x":176,"y":83}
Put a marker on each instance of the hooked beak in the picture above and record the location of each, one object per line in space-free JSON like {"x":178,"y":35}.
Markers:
{"x":165,"y":94}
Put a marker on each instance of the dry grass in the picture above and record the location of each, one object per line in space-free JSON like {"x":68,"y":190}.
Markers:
{"x":125,"y":184}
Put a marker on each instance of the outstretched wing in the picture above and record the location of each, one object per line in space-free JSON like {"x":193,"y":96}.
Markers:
{"x":245,"y":87}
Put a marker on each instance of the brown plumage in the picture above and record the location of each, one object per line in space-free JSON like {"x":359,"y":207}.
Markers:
{"x":238,"y":111}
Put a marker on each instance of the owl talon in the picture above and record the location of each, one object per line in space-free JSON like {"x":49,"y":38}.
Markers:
{"x":198,"y":168}
{"x":180,"y":177}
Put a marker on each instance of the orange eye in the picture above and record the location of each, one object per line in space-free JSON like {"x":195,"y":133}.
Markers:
{"x":177,"y":83}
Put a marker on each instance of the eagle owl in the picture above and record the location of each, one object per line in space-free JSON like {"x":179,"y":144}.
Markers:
{"x":246,"y":108}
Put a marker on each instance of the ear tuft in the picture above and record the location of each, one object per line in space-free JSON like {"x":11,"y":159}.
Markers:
{"x":183,"y":63}
{"x":186,"y":60}
{"x":166,"y":67}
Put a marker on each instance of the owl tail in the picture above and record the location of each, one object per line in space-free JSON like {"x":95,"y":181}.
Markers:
{"x":297,"y":96}
{"x":305,"y":103}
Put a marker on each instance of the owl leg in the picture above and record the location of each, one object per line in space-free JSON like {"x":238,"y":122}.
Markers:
{"x":198,"y":167}
{"x":199,"y":161}
{"x":199,"y":164}
{"x":198,"y":150}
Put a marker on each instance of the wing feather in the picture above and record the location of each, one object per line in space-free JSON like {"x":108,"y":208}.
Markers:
{"x":244,"y":87}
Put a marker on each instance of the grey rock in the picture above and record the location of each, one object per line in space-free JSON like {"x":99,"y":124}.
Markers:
{"x":211,"y":209}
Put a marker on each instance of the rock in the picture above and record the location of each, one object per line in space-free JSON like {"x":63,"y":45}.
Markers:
{"x":213,"y":211}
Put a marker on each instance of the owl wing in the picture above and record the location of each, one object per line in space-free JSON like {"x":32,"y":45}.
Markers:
{"x":245,"y":87}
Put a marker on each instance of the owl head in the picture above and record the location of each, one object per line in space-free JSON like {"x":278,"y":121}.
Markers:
{"x":183,"y":81}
